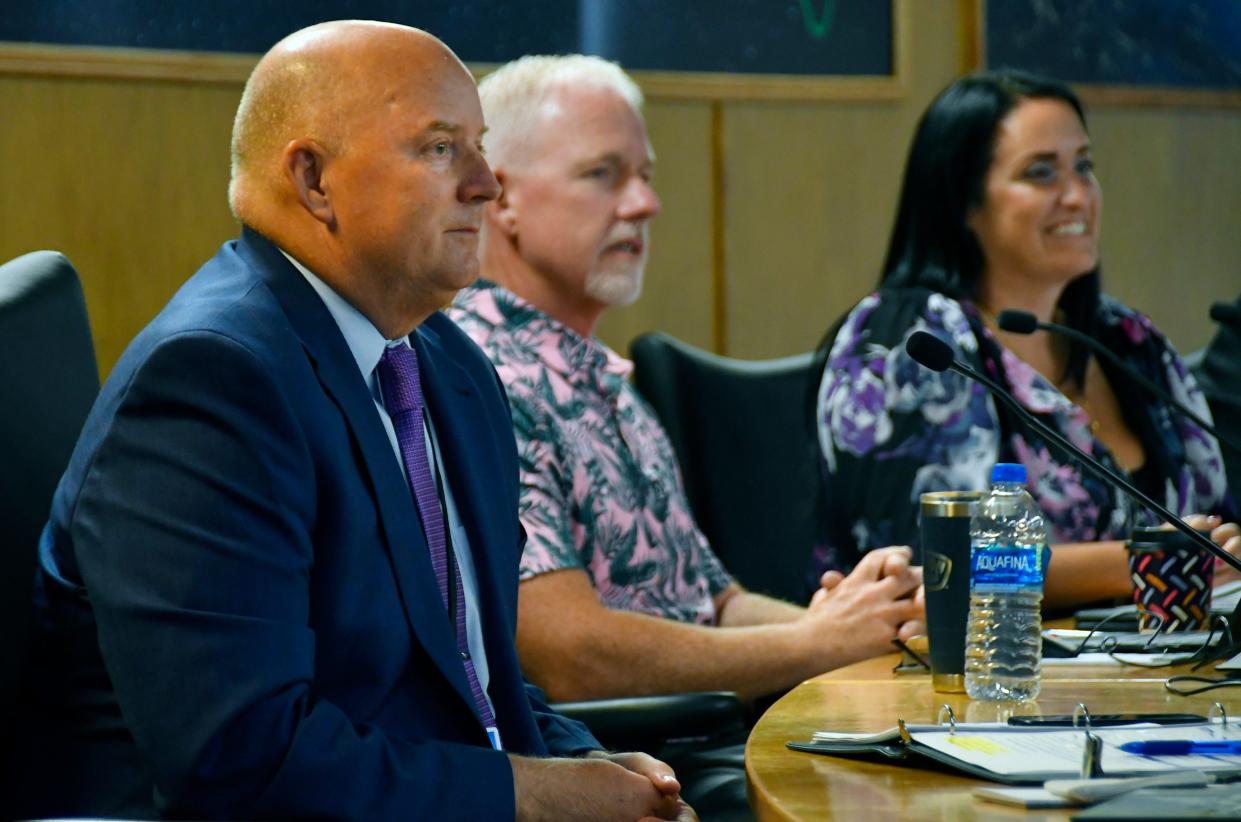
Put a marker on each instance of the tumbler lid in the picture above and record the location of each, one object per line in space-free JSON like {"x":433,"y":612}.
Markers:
{"x":949,"y":503}
{"x":1160,"y":538}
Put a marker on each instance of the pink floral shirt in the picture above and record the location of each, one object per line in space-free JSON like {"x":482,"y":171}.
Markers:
{"x":600,"y":489}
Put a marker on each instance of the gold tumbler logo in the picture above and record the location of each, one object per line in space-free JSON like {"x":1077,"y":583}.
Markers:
{"x":936,"y":570}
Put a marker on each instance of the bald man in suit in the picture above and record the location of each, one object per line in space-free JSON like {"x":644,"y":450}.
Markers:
{"x":262,"y":593}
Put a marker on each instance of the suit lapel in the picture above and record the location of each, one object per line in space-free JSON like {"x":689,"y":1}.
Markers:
{"x":338,"y":374}
{"x":477,"y":487}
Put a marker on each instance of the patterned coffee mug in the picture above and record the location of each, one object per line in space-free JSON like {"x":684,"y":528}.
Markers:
{"x":1172,"y":580}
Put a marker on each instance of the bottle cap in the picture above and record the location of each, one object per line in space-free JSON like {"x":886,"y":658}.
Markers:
{"x":1008,"y":472}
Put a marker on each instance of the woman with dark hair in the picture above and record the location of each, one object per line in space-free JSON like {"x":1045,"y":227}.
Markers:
{"x":1000,"y":209}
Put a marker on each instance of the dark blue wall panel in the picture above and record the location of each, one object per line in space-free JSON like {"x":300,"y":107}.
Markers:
{"x":1181,"y":43}
{"x":808,"y":37}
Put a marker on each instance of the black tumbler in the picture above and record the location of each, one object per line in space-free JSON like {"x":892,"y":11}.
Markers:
{"x":944,"y":537}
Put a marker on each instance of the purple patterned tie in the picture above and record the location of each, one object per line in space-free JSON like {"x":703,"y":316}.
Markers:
{"x":402,"y":392}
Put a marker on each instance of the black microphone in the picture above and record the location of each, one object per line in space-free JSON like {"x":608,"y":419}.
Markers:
{"x":931,"y":352}
{"x":1018,"y":322}
{"x":1226,"y":314}
{"x":1023,"y":322}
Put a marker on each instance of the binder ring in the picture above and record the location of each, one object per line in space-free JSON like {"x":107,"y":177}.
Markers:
{"x":1219,"y":710}
{"x":1092,"y":757}
{"x":945,"y":712}
{"x":1081,"y":716}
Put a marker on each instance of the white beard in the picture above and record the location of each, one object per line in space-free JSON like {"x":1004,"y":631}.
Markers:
{"x":615,"y":287}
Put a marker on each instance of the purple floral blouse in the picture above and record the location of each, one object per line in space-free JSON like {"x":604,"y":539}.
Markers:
{"x":600,"y":488}
{"x":890,"y":429}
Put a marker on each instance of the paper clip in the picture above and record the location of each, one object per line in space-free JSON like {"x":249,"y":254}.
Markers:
{"x":1081,"y":716}
{"x":945,"y":712}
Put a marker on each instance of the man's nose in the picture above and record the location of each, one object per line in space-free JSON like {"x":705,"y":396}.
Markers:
{"x":640,"y":201}
{"x":478,"y":183}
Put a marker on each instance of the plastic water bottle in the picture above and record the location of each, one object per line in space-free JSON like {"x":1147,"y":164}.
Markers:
{"x":1003,"y":640}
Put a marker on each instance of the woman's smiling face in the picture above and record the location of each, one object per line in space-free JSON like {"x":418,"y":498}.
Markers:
{"x":1041,"y":202}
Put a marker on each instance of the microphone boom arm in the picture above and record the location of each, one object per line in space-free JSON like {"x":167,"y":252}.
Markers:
{"x":1093,"y":466}
{"x":1137,"y":377}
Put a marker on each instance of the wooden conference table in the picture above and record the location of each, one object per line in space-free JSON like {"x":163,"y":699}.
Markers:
{"x":869,"y":697}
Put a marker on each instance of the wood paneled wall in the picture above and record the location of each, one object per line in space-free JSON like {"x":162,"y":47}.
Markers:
{"x":127,"y":178}
{"x":775,"y":219}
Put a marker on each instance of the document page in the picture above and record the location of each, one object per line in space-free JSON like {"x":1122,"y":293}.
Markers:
{"x":1043,"y":750}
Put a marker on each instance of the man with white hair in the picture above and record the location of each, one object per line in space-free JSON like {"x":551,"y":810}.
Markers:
{"x":621,"y":594}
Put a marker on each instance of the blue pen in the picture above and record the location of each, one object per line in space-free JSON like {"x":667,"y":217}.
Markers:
{"x":1183,"y":747}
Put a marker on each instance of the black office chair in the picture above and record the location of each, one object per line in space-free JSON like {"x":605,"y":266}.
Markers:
{"x":751,"y":472}
{"x":748,"y":454}
{"x":49,"y":379}
{"x":1217,"y":368}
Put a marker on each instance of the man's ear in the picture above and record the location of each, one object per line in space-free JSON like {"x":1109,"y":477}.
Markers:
{"x":503,"y":209}
{"x":304,"y":162}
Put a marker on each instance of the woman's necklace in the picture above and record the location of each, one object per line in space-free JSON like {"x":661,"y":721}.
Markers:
{"x":1080,"y":398}
{"x":1077,"y":397}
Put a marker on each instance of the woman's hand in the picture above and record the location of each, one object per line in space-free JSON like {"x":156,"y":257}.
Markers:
{"x":1226,"y":535}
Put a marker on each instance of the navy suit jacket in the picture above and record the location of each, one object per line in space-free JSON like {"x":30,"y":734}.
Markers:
{"x":237,"y":611}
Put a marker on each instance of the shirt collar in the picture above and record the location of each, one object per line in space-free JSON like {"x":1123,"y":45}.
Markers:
{"x":564,"y":351}
{"x":363,"y":338}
